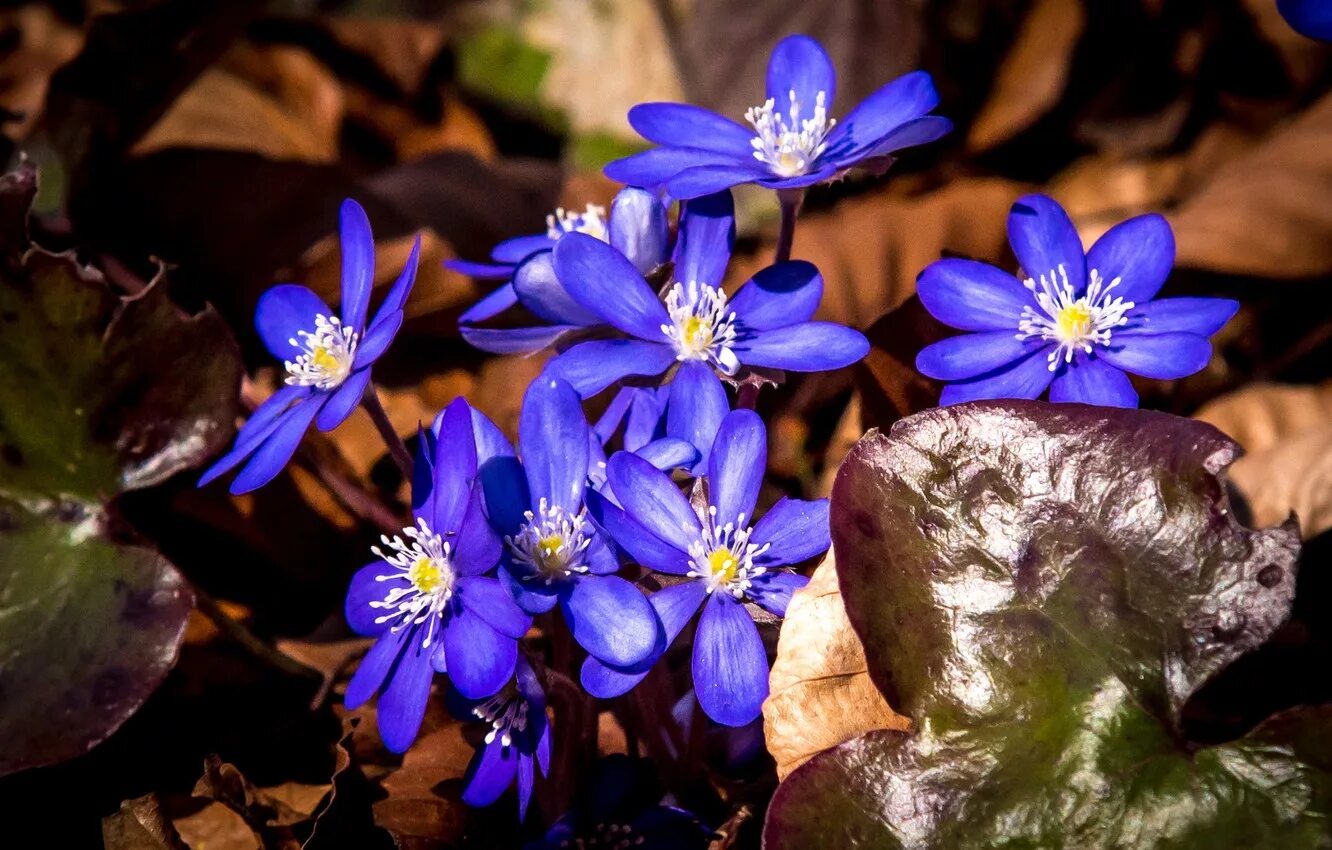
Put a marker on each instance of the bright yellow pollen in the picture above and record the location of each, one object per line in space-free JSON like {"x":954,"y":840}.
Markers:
{"x":426,"y":575}
{"x":1074,"y":321}
{"x":549,"y":547}
{"x":320,"y":358}
{"x":722,"y":564}
{"x":696,"y":332}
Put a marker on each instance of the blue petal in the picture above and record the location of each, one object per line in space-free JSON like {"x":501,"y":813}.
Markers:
{"x":1162,"y":356}
{"x":358,"y":264}
{"x":922,"y":131}
{"x":479,"y":271}
{"x":698,"y":404}
{"x":639,"y":229}
{"x":653,"y":501}
{"x":524,"y":784}
{"x":282,"y":312}
{"x":402,"y":705}
{"x":707,"y":232}
{"x":643,"y":546}
{"x":343,"y":401}
{"x":400,"y":291}
{"x":772,"y":590}
{"x":825,"y":171}
{"x":972,"y":296}
{"x":711,"y":178}
{"x":864,"y":128}
{"x":374,"y":667}
{"x":968,"y":355}
{"x":652,"y":168}
{"x":1201,"y":316}
{"x":610,"y":419}
{"x":477,"y":548}
{"x":514,"y":251}
{"x":683,"y":125}
{"x":1311,"y":18}
{"x":674,"y":606}
{"x":1089,"y":380}
{"x":490,"y":774}
{"x":602,"y":559}
{"x":1140,"y":251}
{"x":514,"y":340}
{"x":479,"y":660}
{"x":646,"y":417}
{"x":800,"y":64}
{"x":777,"y":296}
{"x":795,"y":530}
{"x":500,"y":476}
{"x":605,"y":282}
{"x":735,"y":467}
{"x":269,"y":459}
{"x":454,"y":469}
{"x":256,"y":429}
{"x":553,"y":434}
{"x":493,"y":304}
{"x":1025,"y":379}
{"x":533,"y":597}
{"x":488,"y":599}
{"x":377,"y":340}
{"x":594,"y":365}
{"x":364,"y":589}
{"x":1044,"y":238}
{"x":611,"y":619}
{"x":806,"y":347}
{"x":670,"y":453}
{"x":540,"y":291}
{"x":730,"y":664}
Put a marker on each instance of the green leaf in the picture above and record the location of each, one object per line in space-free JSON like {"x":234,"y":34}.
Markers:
{"x":1042,"y":588}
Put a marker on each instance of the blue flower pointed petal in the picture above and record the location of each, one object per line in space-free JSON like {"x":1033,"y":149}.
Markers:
{"x":893,"y":105}
{"x":514,"y":340}
{"x":1044,"y":238}
{"x":707,"y":234}
{"x":795,"y":529}
{"x":603,"y":280}
{"x":488,"y":599}
{"x":643,"y":546}
{"x":272,"y":455}
{"x":592,"y":366}
{"x":958,"y":358}
{"x":1310,"y":18}
{"x":772,"y":590}
{"x":730,"y":664}
{"x":540,"y":291}
{"x":1201,"y":316}
{"x":652,"y":168}
{"x":543,"y":749}
{"x":646,"y":421}
{"x":479,"y":659}
{"x":377,"y":339}
{"x":532,"y":596}
{"x":601,"y":557}
{"x":401,"y":290}
{"x":670,"y":453}
{"x":282,"y":313}
{"x":922,"y":131}
{"x":479,"y":271}
{"x":800,"y":64}
{"x":609,"y":421}
{"x":973,"y":296}
{"x":1092,"y":381}
{"x":502,"y":298}
{"x":358,"y":263}
{"x":1140,"y":252}
{"x":343,"y":401}
{"x":514,"y":251}
{"x":639,"y":228}
{"x":698,"y":404}
{"x":506,"y":494}
{"x":1161,"y":356}
{"x":783,"y":294}
{"x":553,"y":434}
{"x":490,"y":774}
{"x":525,"y":780}
{"x":708,"y":179}
{"x":675,"y":607}
{"x":735,"y":467}
{"x":402,"y":705}
{"x":455,"y":469}
{"x":366,"y":588}
{"x":653,"y":501}
{"x":610,"y":618}
{"x":373,"y":669}
{"x":1026,"y":378}
{"x":806,"y":347}
{"x":684,"y":125}
{"x":255,"y":430}
{"x":476,"y":548}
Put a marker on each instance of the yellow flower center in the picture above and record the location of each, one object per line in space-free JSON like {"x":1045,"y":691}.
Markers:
{"x":549,"y":548}
{"x":1074,"y":322}
{"x":321,"y":358}
{"x":697,"y":332}
{"x":426,"y":575}
{"x":723,"y":564}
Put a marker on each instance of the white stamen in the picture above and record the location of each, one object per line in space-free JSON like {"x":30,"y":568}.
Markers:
{"x":788,"y":144}
{"x":591,"y":221}
{"x":327,"y":359}
{"x":1072,"y":323}
{"x":506,"y":712}
{"x":552,"y":542}
{"x":423,"y":560}
{"x":701,"y":328}
{"x":724,"y":558}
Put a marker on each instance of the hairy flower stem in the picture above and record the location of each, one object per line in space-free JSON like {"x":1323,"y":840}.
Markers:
{"x":747,"y":397}
{"x":248,"y":641}
{"x":790,"y":199}
{"x":402,"y":457}
{"x":359,"y":502}
{"x":575,"y":727}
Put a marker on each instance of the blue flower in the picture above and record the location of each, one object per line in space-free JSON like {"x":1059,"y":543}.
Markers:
{"x":767,"y":323}
{"x":792,"y":141}
{"x":1077,"y":324}
{"x":518,"y":740}
{"x":723,"y":561}
{"x":427,"y":598}
{"x":637,"y":228}
{"x":553,"y":553}
{"x":327,"y":357}
{"x":1312,"y":18}
{"x":622,"y":810}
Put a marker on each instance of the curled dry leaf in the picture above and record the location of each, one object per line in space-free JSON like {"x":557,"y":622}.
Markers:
{"x":821,"y":693}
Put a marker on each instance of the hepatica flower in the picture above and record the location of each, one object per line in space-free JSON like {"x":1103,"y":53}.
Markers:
{"x":637,"y":228}
{"x":517,"y":741}
{"x":1078,"y":322}
{"x":427,"y":599}
{"x":767,"y":323}
{"x":792,"y":140}
{"x":327,"y":356}
{"x":724,"y":559}
{"x":553,"y":552}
